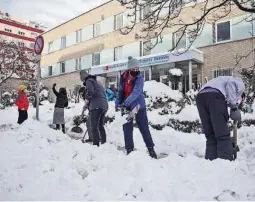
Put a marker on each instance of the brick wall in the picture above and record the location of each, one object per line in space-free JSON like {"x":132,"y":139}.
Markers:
{"x":224,"y":56}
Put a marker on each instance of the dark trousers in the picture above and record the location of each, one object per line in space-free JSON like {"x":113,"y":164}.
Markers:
{"x":97,"y":117}
{"x":143,"y":125}
{"x":88,"y":125}
{"x":213,"y":113}
{"x":22,"y":116}
{"x":63,"y":127}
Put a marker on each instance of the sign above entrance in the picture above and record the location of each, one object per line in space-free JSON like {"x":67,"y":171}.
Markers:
{"x":144,"y":62}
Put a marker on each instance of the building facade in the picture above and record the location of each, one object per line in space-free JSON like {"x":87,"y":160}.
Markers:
{"x":21,"y":32}
{"x":93,"y":41}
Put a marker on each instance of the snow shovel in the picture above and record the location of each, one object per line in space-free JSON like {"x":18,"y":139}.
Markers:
{"x":234,"y":142}
{"x":83,"y":139}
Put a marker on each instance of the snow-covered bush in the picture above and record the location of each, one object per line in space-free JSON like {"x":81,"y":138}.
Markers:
{"x":247,"y":75}
{"x":175,"y":77}
{"x":8,"y":98}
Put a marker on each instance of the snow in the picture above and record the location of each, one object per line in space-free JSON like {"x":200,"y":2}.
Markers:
{"x":6,"y":94}
{"x":44,"y":93}
{"x":176,"y":72}
{"x":39,"y":163}
{"x":156,"y":89}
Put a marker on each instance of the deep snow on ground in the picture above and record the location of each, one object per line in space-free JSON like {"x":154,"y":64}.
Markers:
{"x":39,"y":163}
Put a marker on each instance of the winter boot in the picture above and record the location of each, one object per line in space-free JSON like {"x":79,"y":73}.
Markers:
{"x":129,"y":151}
{"x":152,"y":153}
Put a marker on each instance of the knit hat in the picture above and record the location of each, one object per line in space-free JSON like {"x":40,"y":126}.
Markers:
{"x":132,"y":63}
{"x":22,"y":87}
{"x":83,"y":74}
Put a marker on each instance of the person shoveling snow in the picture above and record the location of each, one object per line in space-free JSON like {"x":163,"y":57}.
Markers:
{"x":212,"y":103}
{"x":130,"y":95}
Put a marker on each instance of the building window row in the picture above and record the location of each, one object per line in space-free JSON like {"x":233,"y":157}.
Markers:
{"x":97,"y":31}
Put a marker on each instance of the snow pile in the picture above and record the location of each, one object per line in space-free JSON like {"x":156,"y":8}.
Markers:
{"x":66,"y":169}
{"x":44,"y":93}
{"x":176,"y":72}
{"x":7,"y":94}
{"x":155,"y":90}
{"x":43,"y":164}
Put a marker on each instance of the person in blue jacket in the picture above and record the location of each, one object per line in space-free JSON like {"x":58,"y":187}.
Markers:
{"x":212,"y":102}
{"x":130,"y":95}
{"x":110,"y":94}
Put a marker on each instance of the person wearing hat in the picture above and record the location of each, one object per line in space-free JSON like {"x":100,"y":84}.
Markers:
{"x":22,"y":103}
{"x":97,"y":104}
{"x":59,"y":111}
{"x":130,"y":95}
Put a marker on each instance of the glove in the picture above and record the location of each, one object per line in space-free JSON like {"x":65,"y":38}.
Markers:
{"x":235,"y":114}
{"x":117,"y":106}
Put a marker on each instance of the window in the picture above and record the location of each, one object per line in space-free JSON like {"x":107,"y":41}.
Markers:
{"x":223,"y":31}
{"x":20,"y":43}
{"x":50,"y":47}
{"x":183,"y":41}
{"x":146,"y":48}
{"x":63,"y":67}
{"x":50,"y":71}
{"x":222,"y":72}
{"x":7,"y":30}
{"x":118,"y":21}
{"x":118,"y":53}
{"x":96,"y":29}
{"x":78,"y":64}
{"x":63,"y":42}
{"x":145,"y":11}
{"x":95,"y":59}
{"x":78,"y":36}
{"x":34,"y":35}
{"x":21,"y":33}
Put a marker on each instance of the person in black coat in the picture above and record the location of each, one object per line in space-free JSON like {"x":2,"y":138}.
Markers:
{"x":61,"y":103}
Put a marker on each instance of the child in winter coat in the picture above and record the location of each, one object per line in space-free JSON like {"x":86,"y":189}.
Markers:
{"x":110,"y":94}
{"x":22,"y":104}
{"x":61,"y":103}
{"x":212,"y":103}
{"x":129,"y":96}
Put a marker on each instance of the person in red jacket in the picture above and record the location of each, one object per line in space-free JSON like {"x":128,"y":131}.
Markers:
{"x":22,"y":104}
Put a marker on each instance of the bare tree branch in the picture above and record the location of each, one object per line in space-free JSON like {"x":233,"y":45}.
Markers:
{"x":164,"y":16}
{"x":16,"y":60}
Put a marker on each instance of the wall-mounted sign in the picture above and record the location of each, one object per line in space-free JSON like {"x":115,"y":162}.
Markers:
{"x":148,"y":61}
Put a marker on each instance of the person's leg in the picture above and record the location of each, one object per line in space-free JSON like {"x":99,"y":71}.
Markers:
{"x":63,"y":128}
{"x":101,"y":127}
{"x":25,"y":115}
{"x":204,"y":114}
{"x":89,"y":129}
{"x":219,"y":118}
{"x":128,"y":136}
{"x":94,"y":120}
{"x":57,"y":126}
{"x":19,"y":117}
{"x":143,"y":125}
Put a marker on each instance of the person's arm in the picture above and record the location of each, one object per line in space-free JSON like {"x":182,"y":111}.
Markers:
{"x":90,"y":90}
{"x":136,"y":92}
{"x":85,"y":107}
{"x":231,"y":91}
{"x":54,"y":90}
